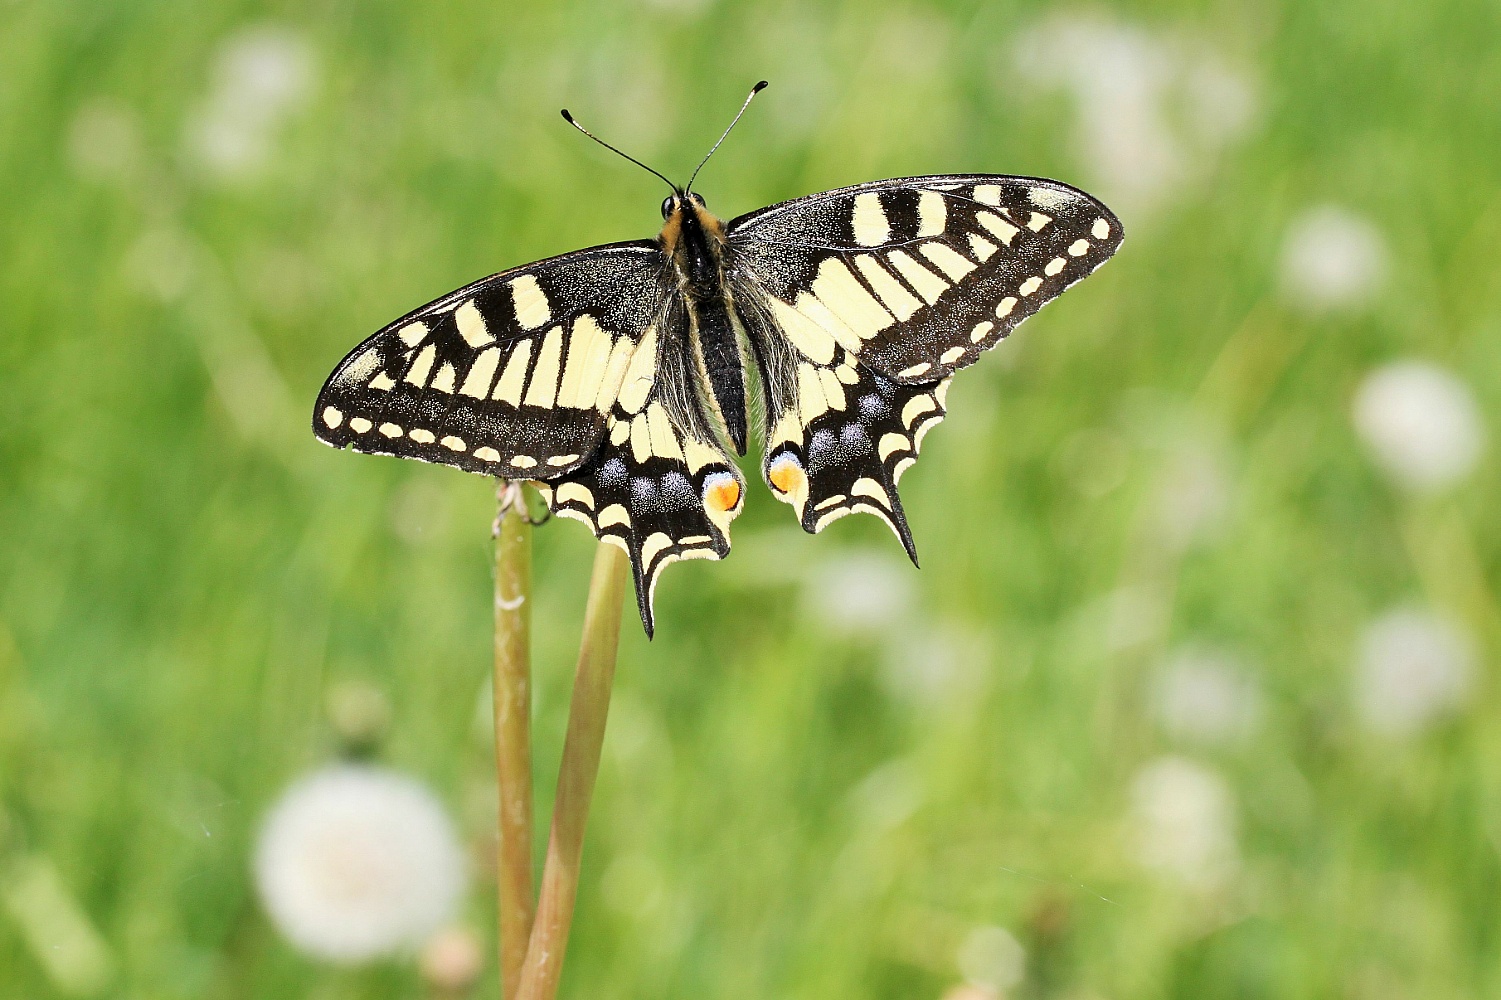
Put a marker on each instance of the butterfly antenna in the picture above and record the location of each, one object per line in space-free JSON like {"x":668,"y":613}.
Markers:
{"x":754,"y":91}
{"x":569,"y":119}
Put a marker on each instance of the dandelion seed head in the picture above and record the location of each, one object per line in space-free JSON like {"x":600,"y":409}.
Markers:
{"x":1414,"y":668}
{"x":969,"y":991}
{"x":1206,"y":696}
{"x":1184,"y":821}
{"x":261,"y":76}
{"x":358,"y":711}
{"x":1421,"y":424}
{"x":859,"y":592}
{"x":452,"y":959}
{"x":356,"y":862}
{"x":990,"y":958}
{"x":1333,"y":259}
{"x":1127,"y":82}
{"x":1194,"y":492}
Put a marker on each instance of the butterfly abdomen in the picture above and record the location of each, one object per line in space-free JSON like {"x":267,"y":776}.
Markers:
{"x":719,"y":349}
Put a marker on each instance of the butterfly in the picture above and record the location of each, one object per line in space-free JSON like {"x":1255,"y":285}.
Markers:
{"x":617,"y":378}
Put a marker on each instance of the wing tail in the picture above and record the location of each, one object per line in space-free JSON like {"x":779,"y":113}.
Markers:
{"x":844,"y":446}
{"x":659,"y":493}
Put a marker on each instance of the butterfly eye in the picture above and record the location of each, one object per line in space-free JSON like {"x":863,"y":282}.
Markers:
{"x":700,"y":199}
{"x":668,"y":204}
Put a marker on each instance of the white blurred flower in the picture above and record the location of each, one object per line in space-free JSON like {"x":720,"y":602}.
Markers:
{"x":104,"y":142}
{"x":859,"y":592}
{"x":1117,"y":75}
{"x":1184,"y":817}
{"x":1421,"y":423}
{"x":1332,"y":259}
{"x":1126,"y":82}
{"x":1127,"y":617}
{"x":452,"y":959}
{"x":969,"y":991}
{"x":887,"y":797}
{"x":355,"y":862}
{"x":1414,"y":668}
{"x":990,"y":958}
{"x":261,"y":75}
{"x":932,"y":666}
{"x":1193,"y":493}
{"x":358,"y":711}
{"x":1206,"y":696}
{"x":1221,"y":101}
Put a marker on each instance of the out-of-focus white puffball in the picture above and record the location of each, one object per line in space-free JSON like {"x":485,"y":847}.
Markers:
{"x":357,"y":862}
{"x":452,"y":959}
{"x":1118,"y":75}
{"x":1332,"y":259}
{"x":859,"y":592}
{"x":262,"y":75}
{"x":1421,"y":424}
{"x":1184,"y":819}
{"x":1194,"y":491}
{"x":1206,"y":696}
{"x":969,"y":991}
{"x":1414,"y":668}
{"x":992,"y":959}
{"x":1153,"y":109}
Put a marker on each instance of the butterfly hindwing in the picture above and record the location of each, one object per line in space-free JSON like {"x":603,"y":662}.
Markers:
{"x":513,"y":375}
{"x":839,"y":437}
{"x":659,"y":485}
{"x":917,"y":277}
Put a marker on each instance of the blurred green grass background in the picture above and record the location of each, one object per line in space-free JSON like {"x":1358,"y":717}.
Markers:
{"x":830,"y":775}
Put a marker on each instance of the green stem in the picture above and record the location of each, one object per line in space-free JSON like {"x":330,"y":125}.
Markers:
{"x":581,"y":748}
{"x":513,"y":730}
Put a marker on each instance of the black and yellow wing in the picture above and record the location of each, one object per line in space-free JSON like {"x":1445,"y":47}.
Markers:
{"x":865,"y":300}
{"x":513,"y":375}
{"x":660,"y":485}
{"x":568,"y":372}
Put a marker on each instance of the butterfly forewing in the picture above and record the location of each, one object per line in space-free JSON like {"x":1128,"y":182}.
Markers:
{"x":917,"y":277}
{"x":513,"y":375}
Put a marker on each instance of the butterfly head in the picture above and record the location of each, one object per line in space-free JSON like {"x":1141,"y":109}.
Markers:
{"x":678,"y":201}
{"x":694,"y":239}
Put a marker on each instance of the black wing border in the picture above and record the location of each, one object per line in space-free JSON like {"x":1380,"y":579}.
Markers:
{"x":740,"y":222}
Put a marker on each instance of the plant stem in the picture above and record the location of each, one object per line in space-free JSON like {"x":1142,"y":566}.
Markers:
{"x":581,"y":748}
{"x":513,"y":730}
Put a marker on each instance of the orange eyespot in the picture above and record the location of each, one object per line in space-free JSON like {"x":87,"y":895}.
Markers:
{"x":722,"y":493}
{"x":786,"y":474}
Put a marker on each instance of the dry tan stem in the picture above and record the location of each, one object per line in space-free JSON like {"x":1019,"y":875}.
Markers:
{"x":581,"y":748}
{"x":513,"y":730}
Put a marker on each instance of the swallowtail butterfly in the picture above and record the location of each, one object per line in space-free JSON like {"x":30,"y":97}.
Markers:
{"x":616,"y":378}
